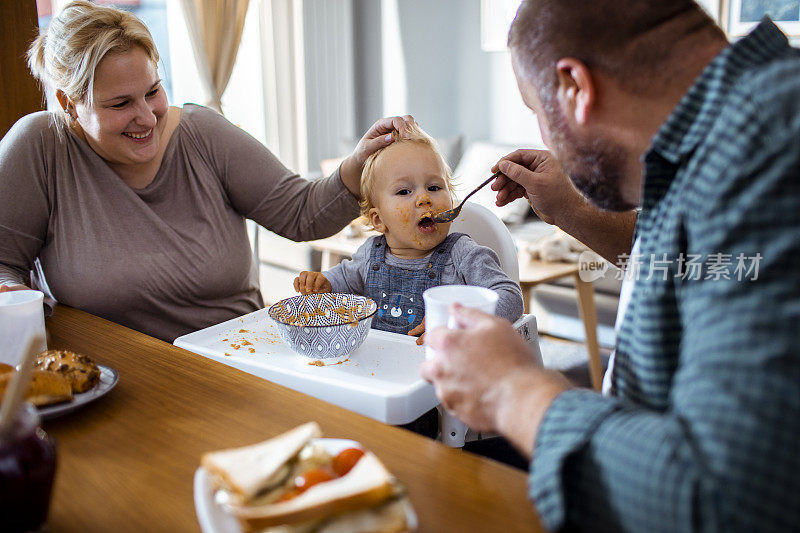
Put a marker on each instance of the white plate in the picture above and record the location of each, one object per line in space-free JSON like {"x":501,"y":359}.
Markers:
{"x":213,"y":519}
{"x":108,"y":379}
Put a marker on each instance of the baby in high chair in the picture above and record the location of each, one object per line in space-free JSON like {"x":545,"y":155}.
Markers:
{"x":403,"y":186}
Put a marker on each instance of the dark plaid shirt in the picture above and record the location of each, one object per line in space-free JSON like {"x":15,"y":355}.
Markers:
{"x":703,"y":429}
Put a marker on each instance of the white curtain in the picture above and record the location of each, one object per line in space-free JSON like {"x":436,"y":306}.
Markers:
{"x":215,"y":29}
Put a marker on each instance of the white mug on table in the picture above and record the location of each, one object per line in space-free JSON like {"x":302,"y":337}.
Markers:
{"x":21,"y":317}
{"x":437,"y":313}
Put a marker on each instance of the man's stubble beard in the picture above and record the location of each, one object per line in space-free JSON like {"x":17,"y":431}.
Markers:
{"x":595,"y":167}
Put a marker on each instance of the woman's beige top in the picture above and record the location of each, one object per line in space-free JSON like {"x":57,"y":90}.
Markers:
{"x":168,"y":259}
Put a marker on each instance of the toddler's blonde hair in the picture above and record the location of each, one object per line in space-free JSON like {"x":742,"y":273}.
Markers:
{"x":66,"y":55}
{"x":415,"y":135}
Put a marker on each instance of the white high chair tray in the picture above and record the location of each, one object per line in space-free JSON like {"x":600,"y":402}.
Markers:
{"x":380,"y":379}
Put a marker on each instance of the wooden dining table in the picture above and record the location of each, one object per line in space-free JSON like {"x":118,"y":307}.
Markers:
{"x":126,"y":461}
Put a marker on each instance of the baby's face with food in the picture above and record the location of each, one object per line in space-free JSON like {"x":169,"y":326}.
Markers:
{"x":410,"y":187}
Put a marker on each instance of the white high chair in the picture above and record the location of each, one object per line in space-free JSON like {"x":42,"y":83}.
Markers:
{"x":486,"y":229}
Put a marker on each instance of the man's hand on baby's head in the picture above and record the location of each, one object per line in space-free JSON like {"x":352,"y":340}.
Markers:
{"x":312,"y":283}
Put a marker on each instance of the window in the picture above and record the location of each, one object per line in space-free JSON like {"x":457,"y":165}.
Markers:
{"x":152,"y":12}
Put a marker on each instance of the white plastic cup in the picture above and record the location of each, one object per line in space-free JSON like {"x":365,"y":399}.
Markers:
{"x":437,"y":313}
{"x":21,"y":317}
{"x":439,"y":299}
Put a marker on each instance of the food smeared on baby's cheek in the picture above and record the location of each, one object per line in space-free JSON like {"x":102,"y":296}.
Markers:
{"x":403,"y":215}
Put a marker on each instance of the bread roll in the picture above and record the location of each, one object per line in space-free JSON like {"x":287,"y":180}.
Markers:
{"x":81,"y":372}
{"x":45,"y":388}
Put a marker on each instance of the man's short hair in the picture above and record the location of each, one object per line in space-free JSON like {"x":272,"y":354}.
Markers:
{"x":631,"y":41}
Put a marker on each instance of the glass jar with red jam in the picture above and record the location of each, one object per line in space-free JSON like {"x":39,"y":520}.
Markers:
{"x":27,"y":467}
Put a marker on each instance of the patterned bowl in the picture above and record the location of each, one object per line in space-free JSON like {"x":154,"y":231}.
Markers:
{"x":326,"y":327}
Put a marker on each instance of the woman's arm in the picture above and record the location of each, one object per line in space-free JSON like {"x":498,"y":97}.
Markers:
{"x":24,"y":204}
{"x":258,"y":186}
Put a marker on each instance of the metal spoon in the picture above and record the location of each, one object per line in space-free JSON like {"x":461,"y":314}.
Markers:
{"x":451,"y":214}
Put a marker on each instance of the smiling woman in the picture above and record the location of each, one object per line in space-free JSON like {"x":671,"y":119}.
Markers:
{"x":129,"y":117}
{"x":134,"y":210}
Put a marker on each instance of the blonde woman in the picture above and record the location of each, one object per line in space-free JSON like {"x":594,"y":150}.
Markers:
{"x":134,"y":210}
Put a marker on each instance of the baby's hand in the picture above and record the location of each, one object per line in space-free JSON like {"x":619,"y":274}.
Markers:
{"x":419,"y":330}
{"x":312,"y":283}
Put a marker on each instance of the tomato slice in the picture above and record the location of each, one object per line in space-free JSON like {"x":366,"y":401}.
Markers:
{"x":346,"y":460}
{"x":311,"y":478}
{"x":342,"y":464}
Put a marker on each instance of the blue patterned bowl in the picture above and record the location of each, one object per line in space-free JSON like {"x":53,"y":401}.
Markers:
{"x":327,"y":327}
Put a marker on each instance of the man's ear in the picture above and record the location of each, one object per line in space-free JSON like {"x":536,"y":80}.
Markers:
{"x":375,"y":220}
{"x":576,"y":89}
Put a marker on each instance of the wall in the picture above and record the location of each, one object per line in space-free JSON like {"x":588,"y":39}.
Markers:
{"x":452,"y":86}
{"x":712,"y":6}
{"x":328,"y":57}
{"x":368,"y":84}
{"x":19,"y":92}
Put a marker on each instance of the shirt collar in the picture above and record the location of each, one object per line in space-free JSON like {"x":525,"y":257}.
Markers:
{"x":694,"y":115}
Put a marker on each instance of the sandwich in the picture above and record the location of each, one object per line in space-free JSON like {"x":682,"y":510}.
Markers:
{"x":292,"y":484}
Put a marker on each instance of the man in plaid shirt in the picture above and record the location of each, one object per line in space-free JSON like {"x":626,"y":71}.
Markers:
{"x":645,"y":105}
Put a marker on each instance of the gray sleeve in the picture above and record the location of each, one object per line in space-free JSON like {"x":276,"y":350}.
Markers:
{"x":480,"y":266}
{"x":261,"y":188}
{"x":349,"y":275}
{"x":24,"y":199}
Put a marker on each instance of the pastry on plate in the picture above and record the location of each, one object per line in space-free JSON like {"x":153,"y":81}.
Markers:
{"x":81,"y":372}
{"x":45,"y":388}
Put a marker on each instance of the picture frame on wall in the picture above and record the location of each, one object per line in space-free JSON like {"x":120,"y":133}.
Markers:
{"x":739,"y":17}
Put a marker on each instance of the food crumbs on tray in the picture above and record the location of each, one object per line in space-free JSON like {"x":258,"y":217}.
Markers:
{"x":226,"y":353}
{"x":316,"y":363}
{"x":372,"y":373}
{"x":243,"y":331}
{"x":252,"y":350}
{"x":246,"y":342}
{"x":235,"y":346}
{"x":224,"y":340}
